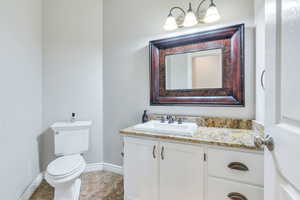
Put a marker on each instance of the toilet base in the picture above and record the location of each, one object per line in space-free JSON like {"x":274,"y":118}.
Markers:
{"x":68,"y":191}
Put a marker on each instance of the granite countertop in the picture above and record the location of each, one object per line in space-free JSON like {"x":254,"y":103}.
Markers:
{"x":238,"y":138}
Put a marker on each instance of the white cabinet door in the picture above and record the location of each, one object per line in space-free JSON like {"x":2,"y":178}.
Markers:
{"x":181,"y":172}
{"x":140,"y":169}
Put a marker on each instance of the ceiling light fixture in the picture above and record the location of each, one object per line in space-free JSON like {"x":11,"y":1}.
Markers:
{"x":189,"y":18}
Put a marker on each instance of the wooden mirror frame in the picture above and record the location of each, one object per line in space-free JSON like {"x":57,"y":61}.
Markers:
{"x":229,"y":39}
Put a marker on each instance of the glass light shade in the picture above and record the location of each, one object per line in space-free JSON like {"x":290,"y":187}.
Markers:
{"x":170,"y":23}
{"x":212,"y":14}
{"x":190,"y":19}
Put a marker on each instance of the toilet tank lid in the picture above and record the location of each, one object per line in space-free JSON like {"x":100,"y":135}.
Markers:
{"x":67,"y":125}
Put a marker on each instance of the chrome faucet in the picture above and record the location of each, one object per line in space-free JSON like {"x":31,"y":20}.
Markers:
{"x":170,"y":119}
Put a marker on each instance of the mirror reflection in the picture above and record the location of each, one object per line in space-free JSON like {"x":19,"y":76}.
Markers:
{"x":194,"y":70}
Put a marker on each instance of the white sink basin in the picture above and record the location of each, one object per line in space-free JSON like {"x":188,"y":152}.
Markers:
{"x":185,"y":129}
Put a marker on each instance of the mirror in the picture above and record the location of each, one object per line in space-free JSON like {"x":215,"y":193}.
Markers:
{"x":205,"y":68}
{"x":195,"y":70}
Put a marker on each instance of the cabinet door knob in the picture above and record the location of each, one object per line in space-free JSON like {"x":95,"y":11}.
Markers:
{"x":153,"y":151}
{"x":162,"y":153}
{"x":236,"y":196}
{"x":238,"y":166}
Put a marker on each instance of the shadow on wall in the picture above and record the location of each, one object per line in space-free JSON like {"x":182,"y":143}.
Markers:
{"x":131,"y":85}
{"x":46,"y":148}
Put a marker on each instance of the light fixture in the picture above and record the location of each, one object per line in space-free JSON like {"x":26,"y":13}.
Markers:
{"x":212,"y":14}
{"x":189,"y":18}
{"x":171,"y":23}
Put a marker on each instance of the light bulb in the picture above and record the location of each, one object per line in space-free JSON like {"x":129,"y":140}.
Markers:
{"x":190,"y":18}
{"x":170,"y":23}
{"x":212,"y":14}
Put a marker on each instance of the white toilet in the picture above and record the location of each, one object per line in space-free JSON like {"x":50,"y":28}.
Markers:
{"x":71,"y":140}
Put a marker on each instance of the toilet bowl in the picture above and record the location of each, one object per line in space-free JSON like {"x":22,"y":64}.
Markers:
{"x":63,"y":174}
{"x":71,"y":139}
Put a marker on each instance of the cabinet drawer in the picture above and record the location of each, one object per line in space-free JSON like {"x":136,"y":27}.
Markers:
{"x":241,"y":166}
{"x":223,"y":189}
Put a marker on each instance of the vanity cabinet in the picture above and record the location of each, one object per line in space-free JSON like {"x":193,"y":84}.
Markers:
{"x":234,"y":175}
{"x":180,"y":171}
{"x":141,"y":169}
{"x":161,"y":170}
{"x":157,"y":169}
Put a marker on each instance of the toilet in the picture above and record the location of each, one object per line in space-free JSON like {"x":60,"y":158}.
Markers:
{"x":71,"y":139}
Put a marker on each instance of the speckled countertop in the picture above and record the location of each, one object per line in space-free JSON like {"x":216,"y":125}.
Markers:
{"x":238,"y":138}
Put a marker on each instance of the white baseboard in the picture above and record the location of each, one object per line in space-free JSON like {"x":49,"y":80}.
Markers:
{"x":113,"y":168}
{"x":104,"y":166}
{"x":90,"y":167}
{"x":32,"y":187}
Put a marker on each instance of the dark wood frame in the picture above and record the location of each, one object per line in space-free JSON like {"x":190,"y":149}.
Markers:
{"x":229,"y":39}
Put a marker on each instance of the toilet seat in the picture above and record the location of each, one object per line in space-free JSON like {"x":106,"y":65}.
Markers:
{"x":65,"y":167}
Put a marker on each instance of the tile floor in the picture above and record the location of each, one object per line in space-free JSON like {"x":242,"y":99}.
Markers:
{"x":99,"y":185}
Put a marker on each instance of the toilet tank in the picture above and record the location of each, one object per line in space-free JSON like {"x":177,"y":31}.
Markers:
{"x":71,"y":137}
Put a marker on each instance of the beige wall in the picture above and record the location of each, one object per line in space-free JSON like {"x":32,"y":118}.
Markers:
{"x":72,"y":70}
{"x":20,"y":97}
{"x":128,"y":28}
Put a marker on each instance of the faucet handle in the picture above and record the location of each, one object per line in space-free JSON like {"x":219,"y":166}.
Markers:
{"x":180,"y":120}
{"x":163,"y":119}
